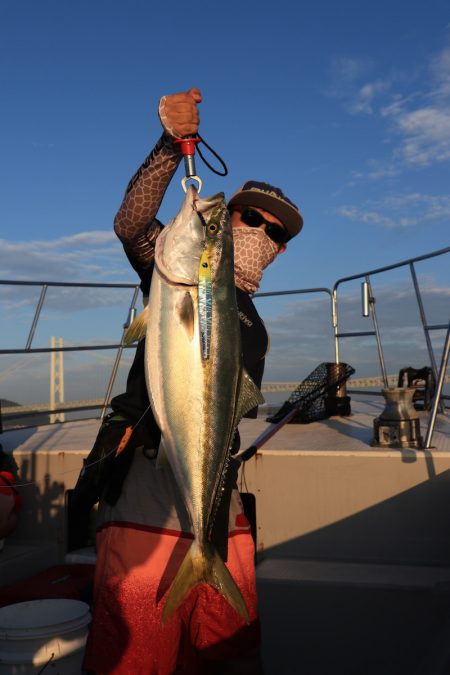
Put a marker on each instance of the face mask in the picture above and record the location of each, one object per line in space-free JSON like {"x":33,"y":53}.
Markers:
{"x":253,"y":251}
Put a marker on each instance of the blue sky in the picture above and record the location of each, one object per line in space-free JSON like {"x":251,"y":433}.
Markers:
{"x":345,"y":105}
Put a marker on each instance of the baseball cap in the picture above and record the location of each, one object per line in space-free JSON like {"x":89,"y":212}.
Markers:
{"x":271,"y":199}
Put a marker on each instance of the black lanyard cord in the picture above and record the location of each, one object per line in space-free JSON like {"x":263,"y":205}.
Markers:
{"x":216,"y":155}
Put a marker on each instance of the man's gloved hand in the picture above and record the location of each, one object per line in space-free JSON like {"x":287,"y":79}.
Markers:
{"x":179,"y":113}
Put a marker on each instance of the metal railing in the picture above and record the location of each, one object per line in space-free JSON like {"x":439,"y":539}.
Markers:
{"x":334,"y":301}
{"x":372,"y":312}
{"x":369,"y":309}
{"x":440,"y":383}
{"x":78,"y":406}
{"x":28,"y":349}
{"x":45,"y":285}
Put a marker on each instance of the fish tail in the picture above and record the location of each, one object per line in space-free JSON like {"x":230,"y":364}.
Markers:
{"x":204,"y":566}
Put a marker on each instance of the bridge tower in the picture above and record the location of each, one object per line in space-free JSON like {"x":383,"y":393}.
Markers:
{"x":56,"y":379}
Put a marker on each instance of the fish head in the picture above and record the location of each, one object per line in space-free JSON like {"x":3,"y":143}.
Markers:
{"x":180,"y":244}
{"x":200,"y":223}
{"x":218,"y":237}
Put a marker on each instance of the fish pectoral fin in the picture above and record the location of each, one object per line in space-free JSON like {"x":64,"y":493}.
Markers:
{"x":249,"y":397}
{"x":162,"y":460}
{"x":186,"y":314}
{"x":204,"y":566}
{"x":137,"y":330}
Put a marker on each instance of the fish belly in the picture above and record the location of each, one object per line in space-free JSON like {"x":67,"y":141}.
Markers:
{"x":193,"y":402}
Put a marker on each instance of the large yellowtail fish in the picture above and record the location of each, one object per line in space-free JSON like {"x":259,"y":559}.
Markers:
{"x":197,"y":385}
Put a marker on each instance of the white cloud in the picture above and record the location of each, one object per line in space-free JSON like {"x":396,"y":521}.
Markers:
{"x":397,"y":104}
{"x":87,"y":256}
{"x":440,"y":71}
{"x":378,"y":170}
{"x":91,"y":238}
{"x":365,"y":216}
{"x":418,"y":120}
{"x":347,"y":69}
{"x":400,"y":210}
{"x":346,"y":84}
{"x":426,"y":135}
{"x":363,"y":102}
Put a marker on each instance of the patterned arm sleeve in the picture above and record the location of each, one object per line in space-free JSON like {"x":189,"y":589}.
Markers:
{"x":135,"y":223}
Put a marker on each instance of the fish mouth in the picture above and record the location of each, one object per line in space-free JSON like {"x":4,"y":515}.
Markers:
{"x":208,"y":204}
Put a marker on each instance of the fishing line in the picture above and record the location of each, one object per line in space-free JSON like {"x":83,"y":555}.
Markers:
{"x":87,"y":466}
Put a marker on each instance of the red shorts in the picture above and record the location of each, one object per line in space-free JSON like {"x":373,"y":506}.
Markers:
{"x":136,"y":565}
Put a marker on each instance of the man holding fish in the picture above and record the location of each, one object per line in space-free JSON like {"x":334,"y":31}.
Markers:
{"x":175,"y":587}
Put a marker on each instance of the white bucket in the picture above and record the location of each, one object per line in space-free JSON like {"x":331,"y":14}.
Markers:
{"x":43,"y":636}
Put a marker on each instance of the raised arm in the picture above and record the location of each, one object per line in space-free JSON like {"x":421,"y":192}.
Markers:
{"x":135,"y":223}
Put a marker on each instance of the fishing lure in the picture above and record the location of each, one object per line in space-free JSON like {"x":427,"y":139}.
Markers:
{"x":205,"y":303}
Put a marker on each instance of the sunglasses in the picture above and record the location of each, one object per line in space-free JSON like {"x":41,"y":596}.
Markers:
{"x":254,"y":218}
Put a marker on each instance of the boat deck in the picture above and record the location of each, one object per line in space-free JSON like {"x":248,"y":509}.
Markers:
{"x":353,"y":548}
{"x":351,"y":434}
{"x":336,"y":434}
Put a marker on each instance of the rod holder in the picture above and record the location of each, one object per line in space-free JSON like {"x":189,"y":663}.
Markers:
{"x":365,"y":298}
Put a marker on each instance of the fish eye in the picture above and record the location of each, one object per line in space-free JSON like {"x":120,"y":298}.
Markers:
{"x":213,"y":228}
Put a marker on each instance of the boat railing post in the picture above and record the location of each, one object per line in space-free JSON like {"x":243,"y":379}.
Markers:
{"x":377,"y":332}
{"x":438,"y":392}
{"x":36,"y":316}
{"x":112,"y":378}
{"x":334,"y":321}
{"x":425,"y":326}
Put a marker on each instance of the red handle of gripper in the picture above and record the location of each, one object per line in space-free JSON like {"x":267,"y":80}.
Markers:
{"x":188,"y":144}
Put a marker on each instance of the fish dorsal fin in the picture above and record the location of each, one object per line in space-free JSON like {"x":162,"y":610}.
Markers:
{"x":137,"y":330}
{"x":186,"y":314}
{"x":249,"y":397}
